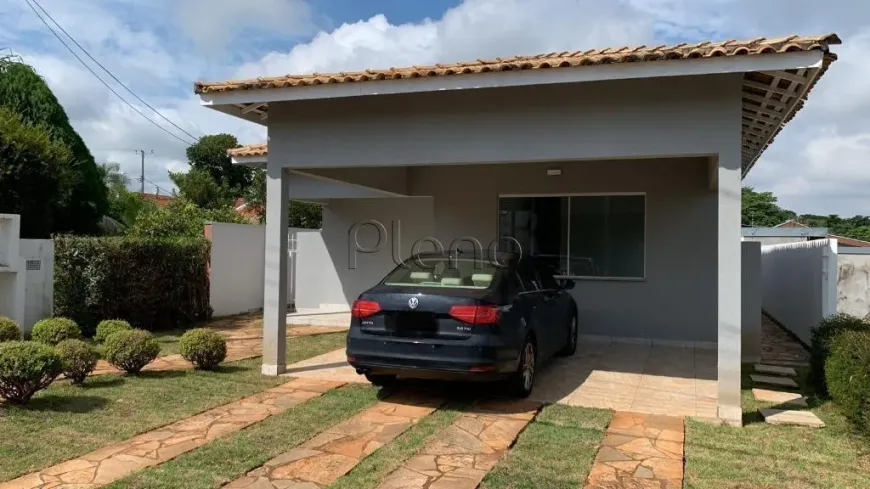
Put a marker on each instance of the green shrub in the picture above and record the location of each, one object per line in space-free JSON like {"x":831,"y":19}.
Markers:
{"x":847,"y":372}
{"x":9,"y":330}
{"x":203,"y":347}
{"x":52,"y":331}
{"x":154,"y":283}
{"x":131,"y":350}
{"x":79,"y":359}
{"x":109,"y":326}
{"x":25,"y":368}
{"x":822,"y":335}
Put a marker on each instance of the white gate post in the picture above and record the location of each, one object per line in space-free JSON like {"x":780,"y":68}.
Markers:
{"x":830,"y":276}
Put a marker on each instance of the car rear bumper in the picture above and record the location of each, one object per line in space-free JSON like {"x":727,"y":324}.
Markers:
{"x":474,"y":359}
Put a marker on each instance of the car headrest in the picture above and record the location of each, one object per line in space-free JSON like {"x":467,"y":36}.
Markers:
{"x":481,"y":279}
{"x":419,"y":277}
{"x":451,"y":281}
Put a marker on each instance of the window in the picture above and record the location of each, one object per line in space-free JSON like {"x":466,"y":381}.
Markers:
{"x":579,"y":235}
{"x":443,"y":271}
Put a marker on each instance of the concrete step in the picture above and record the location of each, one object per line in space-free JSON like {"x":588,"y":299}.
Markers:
{"x":779,"y":397}
{"x":767,"y":379}
{"x":775,"y":369}
{"x":793,"y":418}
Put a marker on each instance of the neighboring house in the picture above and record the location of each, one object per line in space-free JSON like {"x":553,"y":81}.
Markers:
{"x":623,"y":163}
{"x":792,"y":231}
{"x":158,"y":200}
{"x":246,"y":210}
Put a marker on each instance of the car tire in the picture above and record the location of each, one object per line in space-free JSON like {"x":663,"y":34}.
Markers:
{"x":381,"y":380}
{"x":571,"y":346}
{"x":523,"y":381}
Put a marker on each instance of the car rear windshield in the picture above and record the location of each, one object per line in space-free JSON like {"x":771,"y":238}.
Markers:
{"x":444,"y":272}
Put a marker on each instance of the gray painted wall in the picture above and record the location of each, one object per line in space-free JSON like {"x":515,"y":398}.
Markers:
{"x":676,"y":301}
{"x":853,"y":284}
{"x":597,"y":120}
{"x":751,"y":290}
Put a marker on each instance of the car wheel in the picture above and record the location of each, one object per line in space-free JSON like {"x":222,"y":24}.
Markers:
{"x":524,"y":379}
{"x":381,"y":380}
{"x":571,"y":346}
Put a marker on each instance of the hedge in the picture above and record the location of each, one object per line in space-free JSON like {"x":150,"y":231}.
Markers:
{"x":847,"y":372}
{"x":820,"y":345}
{"x":152,"y":283}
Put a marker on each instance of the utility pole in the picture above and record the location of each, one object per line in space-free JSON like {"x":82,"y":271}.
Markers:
{"x":142,"y":153}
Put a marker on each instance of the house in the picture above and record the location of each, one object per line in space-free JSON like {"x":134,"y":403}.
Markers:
{"x":622,"y":164}
{"x":792,"y":231}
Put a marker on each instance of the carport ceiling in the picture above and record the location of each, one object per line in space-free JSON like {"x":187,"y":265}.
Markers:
{"x":770,"y":97}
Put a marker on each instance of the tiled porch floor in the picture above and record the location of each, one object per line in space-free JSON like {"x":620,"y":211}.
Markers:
{"x":636,"y":378}
{"x":623,"y":377}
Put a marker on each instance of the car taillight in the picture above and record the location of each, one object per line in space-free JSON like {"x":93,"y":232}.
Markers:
{"x":475,"y":314}
{"x":363,"y":308}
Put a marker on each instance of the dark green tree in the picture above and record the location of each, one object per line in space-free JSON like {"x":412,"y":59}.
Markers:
{"x":124,"y":205}
{"x":760,"y":209}
{"x":198,"y":187}
{"x":34,"y":171}
{"x":210,"y":154}
{"x":25,"y":93}
{"x":299,"y":214}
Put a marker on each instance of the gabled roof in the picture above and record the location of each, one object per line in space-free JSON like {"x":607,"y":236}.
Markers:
{"x":771,"y":94}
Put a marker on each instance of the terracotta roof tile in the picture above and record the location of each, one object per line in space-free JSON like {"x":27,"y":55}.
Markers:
{"x":757,"y":46}
{"x":260,"y":149}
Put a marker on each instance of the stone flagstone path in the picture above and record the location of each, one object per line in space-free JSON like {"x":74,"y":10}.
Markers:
{"x":779,"y":397}
{"x":791,"y":417}
{"x":461,"y":455}
{"x":113,"y":462}
{"x":333,"y":453}
{"x":640,"y":451}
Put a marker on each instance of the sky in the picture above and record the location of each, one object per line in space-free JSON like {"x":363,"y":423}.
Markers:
{"x":819,"y":164}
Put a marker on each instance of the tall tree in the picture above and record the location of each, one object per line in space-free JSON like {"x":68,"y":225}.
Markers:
{"x":200,"y":188}
{"x":33,"y":174}
{"x":760,"y":209}
{"x":210,"y":154}
{"x":299,"y":214}
{"x":124,"y":205}
{"x":25,"y":93}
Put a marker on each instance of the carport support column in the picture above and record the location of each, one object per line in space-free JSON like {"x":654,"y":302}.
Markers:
{"x":275,"y":281}
{"x":728,"y":179}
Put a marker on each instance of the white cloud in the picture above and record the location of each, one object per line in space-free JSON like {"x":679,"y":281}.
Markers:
{"x":212,"y":24}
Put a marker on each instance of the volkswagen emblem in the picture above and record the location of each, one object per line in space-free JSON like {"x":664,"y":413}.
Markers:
{"x":413,"y":303}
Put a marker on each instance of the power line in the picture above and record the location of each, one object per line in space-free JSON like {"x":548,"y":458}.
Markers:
{"x":109,"y":72}
{"x":100,"y":79}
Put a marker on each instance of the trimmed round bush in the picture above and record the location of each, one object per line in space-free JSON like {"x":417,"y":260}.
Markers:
{"x":130,"y":350}
{"x":820,"y":345}
{"x":52,"y":331}
{"x":79,"y":359}
{"x":109,"y":326}
{"x":9,"y":330}
{"x":25,"y":368}
{"x":847,"y":373}
{"x":203,"y":347}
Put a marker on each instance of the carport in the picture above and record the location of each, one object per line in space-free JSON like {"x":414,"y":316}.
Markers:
{"x":622,"y":164}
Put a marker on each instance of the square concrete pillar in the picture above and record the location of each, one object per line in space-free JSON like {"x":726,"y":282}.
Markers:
{"x":275,"y":281}
{"x":728,"y":187}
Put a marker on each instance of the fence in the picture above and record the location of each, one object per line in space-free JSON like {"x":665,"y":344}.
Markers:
{"x":38,"y":256}
{"x":799,"y":283}
{"x":237,"y":264}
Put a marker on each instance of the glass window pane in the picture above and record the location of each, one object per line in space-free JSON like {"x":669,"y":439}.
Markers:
{"x":539,"y":225}
{"x":607,"y":236}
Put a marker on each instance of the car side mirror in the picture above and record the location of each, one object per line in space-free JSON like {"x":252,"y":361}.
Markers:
{"x":567,"y":284}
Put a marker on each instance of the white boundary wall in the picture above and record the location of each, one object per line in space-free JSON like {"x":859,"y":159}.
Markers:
{"x":38,"y":258}
{"x":799,"y":283}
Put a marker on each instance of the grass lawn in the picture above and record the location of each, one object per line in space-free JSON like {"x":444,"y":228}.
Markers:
{"x":760,"y":456}
{"x":555,"y":451}
{"x":377,"y":466}
{"x":226,"y":459}
{"x":63,"y":421}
